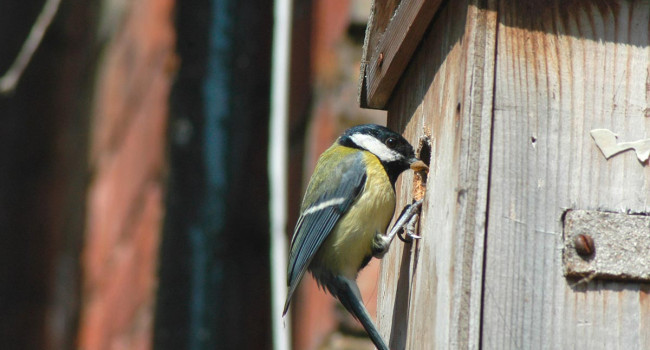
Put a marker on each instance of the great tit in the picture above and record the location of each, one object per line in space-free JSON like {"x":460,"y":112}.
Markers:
{"x":345,"y":213}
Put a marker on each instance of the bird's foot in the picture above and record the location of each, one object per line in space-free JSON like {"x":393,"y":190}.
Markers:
{"x":409,"y":228}
{"x":406,"y":222}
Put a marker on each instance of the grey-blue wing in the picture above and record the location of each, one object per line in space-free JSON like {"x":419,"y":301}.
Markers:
{"x":319,"y":218}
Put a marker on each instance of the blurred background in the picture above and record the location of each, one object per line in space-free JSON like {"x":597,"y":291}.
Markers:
{"x":134,"y":181}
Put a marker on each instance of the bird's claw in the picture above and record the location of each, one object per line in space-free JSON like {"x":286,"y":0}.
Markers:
{"x":410,"y":235}
{"x":407,"y":222}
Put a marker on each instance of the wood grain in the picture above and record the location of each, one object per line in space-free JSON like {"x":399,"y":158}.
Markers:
{"x":430,"y":292}
{"x":387,"y":54}
{"x":511,"y":152}
{"x":562,"y":69}
{"x":380,"y":14}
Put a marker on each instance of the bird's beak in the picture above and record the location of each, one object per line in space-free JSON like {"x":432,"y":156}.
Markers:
{"x":418,"y":165}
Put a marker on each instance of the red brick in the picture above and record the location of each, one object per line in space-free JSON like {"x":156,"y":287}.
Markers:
{"x":125,"y":200}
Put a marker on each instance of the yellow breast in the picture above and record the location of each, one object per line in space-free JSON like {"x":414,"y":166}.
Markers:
{"x":350,"y":241}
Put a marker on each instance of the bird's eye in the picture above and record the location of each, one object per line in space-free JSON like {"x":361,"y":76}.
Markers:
{"x":391,"y":142}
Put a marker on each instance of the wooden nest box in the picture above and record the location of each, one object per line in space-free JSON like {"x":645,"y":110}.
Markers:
{"x":535,"y":117}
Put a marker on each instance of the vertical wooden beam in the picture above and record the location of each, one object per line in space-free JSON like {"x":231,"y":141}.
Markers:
{"x":430,"y":295}
{"x":43,"y":175}
{"x":214,"y":280}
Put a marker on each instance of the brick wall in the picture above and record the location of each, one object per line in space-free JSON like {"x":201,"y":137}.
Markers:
{"x":127,"y":167}
{"x":83,"y":178}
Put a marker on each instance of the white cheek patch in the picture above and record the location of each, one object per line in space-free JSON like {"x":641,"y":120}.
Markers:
{"x":375,"y":147}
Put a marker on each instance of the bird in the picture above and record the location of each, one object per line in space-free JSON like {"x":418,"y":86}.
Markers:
{"x":345,"y":213}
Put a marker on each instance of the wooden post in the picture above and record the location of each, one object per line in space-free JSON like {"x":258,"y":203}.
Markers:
{"x":508,"y":92}
{"x":214,"y":282}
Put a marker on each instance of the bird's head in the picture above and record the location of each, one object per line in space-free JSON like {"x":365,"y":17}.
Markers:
{"x":393,"y":151}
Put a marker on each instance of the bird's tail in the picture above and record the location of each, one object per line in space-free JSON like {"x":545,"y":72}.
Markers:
{"x":292,"y":288}
{"x":348,"y":293}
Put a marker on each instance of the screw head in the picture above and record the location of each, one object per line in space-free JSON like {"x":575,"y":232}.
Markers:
{"x":584,"y":245}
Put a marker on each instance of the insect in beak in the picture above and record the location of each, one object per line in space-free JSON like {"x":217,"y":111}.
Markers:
{"x":419,"y":165}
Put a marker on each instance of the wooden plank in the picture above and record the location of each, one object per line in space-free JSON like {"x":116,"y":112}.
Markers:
{"x":430,"y":293}
{"x":563,"y":69}
{"x":386,"y":57}
{"x":381,"y":13}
